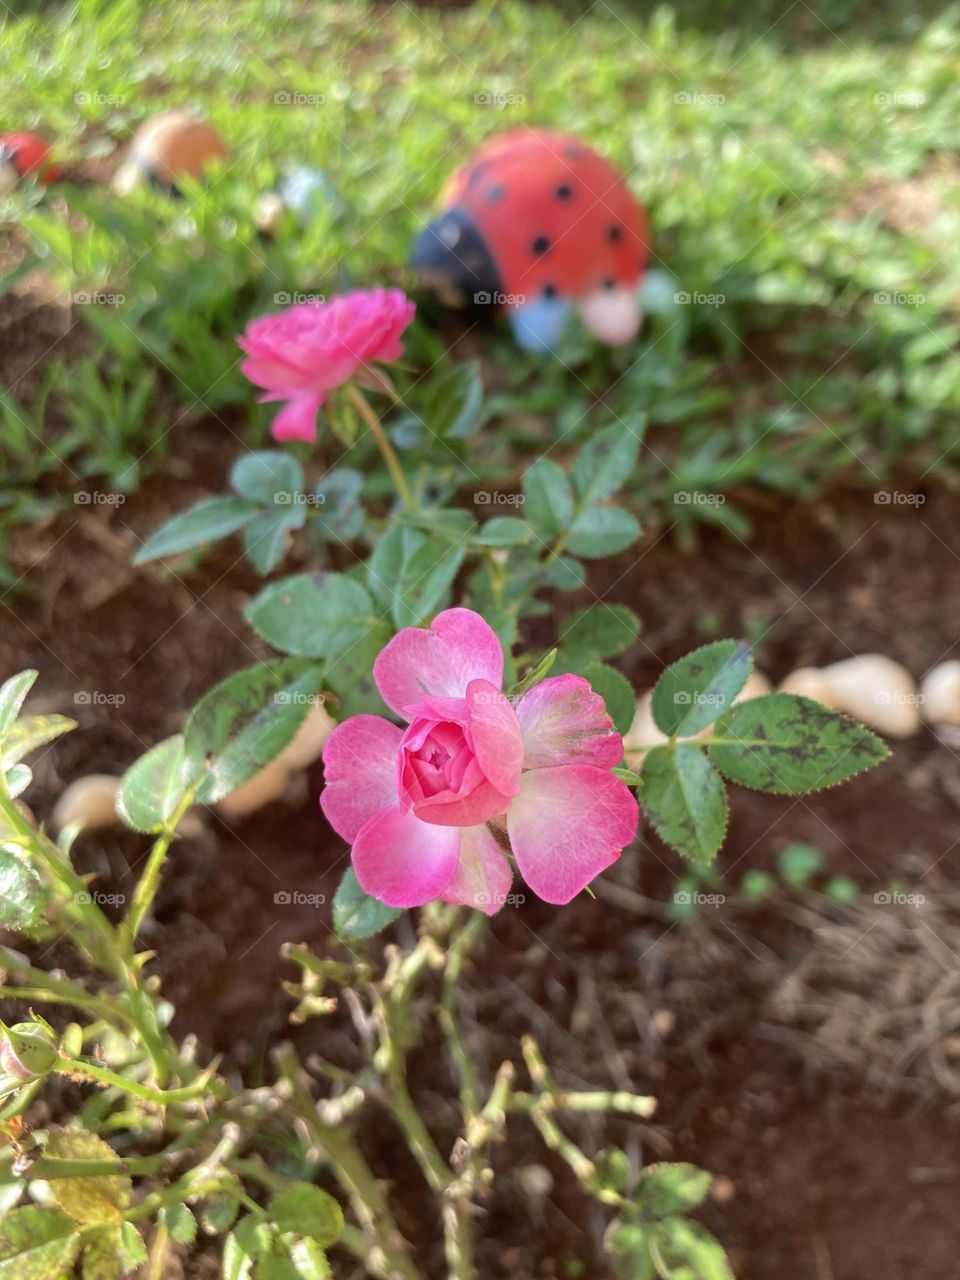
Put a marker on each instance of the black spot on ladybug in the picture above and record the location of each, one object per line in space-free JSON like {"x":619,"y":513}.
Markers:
{"x":496,"y":194}
{"x":609,"y":283}
{"x":614,"y":234}
{"x":540,"y":245}
{"x":564,"y":191}
{"x":549,"y":290}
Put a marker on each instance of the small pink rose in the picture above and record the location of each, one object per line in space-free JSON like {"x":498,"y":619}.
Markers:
{"x":432,"y":810}
{"x":300,"y":354}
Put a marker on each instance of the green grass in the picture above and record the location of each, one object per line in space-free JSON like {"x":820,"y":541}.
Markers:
{"x":801,"y":172}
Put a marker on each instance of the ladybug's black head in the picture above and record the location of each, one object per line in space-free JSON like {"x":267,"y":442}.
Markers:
{"x":452,"y":260}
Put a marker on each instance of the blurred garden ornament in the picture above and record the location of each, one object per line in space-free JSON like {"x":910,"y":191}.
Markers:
{"x":940,"y":694}
{"x":303,"y":191}
{"x":24,"y":155}
{"x":540,"y":224}
{"x":176,"y":144}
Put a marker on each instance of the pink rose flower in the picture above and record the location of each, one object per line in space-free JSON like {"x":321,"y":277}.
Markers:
{"x":418,"y":804}
{"x":300,"y":354}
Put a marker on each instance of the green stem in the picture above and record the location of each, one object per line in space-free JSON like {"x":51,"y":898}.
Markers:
{"x":365,"y":410}
{"x":149,"y":882}
{"x":77,"y":1066}
{"x":386,"y":1250}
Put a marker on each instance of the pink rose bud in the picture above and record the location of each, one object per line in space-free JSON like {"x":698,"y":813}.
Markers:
{"x":300,"y":354}
{"x":417,"y":804}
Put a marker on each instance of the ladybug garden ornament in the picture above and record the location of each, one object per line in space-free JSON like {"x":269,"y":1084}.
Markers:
{"x":543,"y":225}
{"x":23,"y":155}
{"x":174,"y":145}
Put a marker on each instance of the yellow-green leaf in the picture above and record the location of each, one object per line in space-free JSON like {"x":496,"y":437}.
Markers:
{"x":88,"y":1200}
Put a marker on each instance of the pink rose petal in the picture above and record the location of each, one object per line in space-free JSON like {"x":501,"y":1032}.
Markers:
{"x":495,"y":735}
{"x":297,"y":420}
{"x":565,"y":722}
{"x":567,"y":825}
{"x":483,"y":877}
{"x":405,"y":862}
{"x":359,"y":765}
{"x":458,"y":648}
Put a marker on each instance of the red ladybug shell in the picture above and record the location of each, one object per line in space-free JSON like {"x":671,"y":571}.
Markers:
{"x":28,"y":153}
{"x":558,"y":218}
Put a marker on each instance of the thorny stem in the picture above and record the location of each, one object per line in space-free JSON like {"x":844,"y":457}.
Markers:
{"x":203,"y":1082}
{"x":386,"y":1250}
{"x":365,"y":410}
{"x":149,"y":882}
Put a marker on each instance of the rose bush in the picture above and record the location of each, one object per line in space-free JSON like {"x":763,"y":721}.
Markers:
{"x":432,"y":811}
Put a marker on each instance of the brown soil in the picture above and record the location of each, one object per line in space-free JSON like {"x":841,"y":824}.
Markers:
{"x":822,"y":1179}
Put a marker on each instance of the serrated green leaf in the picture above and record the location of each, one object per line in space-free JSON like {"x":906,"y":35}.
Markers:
{"x":696,"y":689}
{"x":599,"y":631}
{"x":549,"y":498}
{"x":307,"y":1210}
{"x":248,"y":1241}
{"x":245,"y":721}
{"x":179,"y":1223}
{"x":355,"y":914}
{"x":503,"y":531}
{"x":790,"y":745}
{"x":671,"y":1187}
{"x":615,"y":690}
{"x":220,"y":1208}
{"x":12,"y":695}
{"x":684,"y":1248}
{"x":312,"y":615}
{"x":113,"y":1252}
{"x":602,"y":531}
{"x":30,"y":733}
{"x":425,"y":585}
{"x":88,"y":1200}
{"x":37,"y":1244}
{"x":266,"y":538}
{"x":564,"y":573}
{"x":153,"y":786}
{"x":628,"y":1244}
{"x":207,"y":522}
{"x":685,"y":799}
{"x":23,"y":895}
{"x":606,"y":462}
{"x":270,"y":477}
